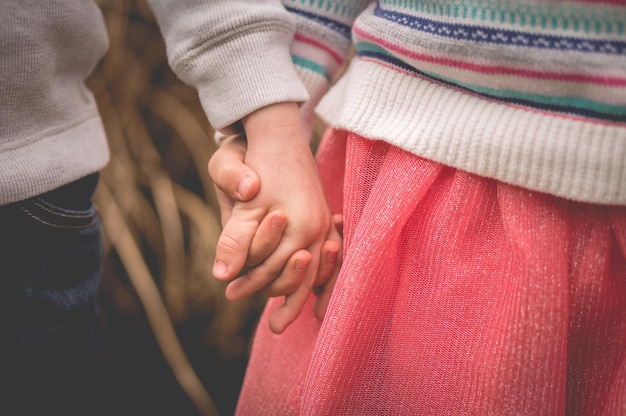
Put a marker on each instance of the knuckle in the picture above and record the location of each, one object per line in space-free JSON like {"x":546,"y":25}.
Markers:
{"x":295,"y":302}
{"x":213,"y":165}
{"x":315,"y":227}
{"x":262,"y":275}
{"x":289,"y":284}
{"x":221,"y":173}
{"x":228,"y":244}
{"x":284,"y":285}
{"x":255,"y":258}
{"x":262,"y":244}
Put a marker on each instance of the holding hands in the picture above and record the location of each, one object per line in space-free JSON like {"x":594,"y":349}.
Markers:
{"x":277,"y":225}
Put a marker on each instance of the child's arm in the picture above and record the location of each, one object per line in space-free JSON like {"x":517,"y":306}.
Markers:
{"x":280,"y":154}
{"x":237,"y":54}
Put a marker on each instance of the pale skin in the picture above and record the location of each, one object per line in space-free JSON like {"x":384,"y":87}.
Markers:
{"x":277,"y":226}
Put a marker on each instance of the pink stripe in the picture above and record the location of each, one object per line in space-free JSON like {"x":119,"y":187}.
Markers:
{"x":618,"y":2}
{"x":319,"y":45}
{"x":518,"y":107}
{"x":604,"y":80}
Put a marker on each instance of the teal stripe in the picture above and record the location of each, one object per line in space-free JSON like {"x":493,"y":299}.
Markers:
{"x":543,"y":14}
{"x":508,"y":94}
{"x":338,"y":8}
{"x":311,"y":66}
{"x":562,"y":101}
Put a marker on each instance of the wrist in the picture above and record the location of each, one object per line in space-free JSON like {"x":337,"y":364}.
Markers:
{"x":276,"y":122}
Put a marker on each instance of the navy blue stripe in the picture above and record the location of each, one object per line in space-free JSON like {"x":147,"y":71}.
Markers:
{"x":526,"y":103}
{"x":340,"y":28}
{"x":501,"y":36}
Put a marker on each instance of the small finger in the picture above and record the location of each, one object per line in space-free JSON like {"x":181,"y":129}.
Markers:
{"x":338,"y":223}
{"x":287,"y":313}
{"x":323,"y":294}
{"x":328,"y":261}
{"x":291,"y":276}
{"x":259,"y":276}
{"x":266,"y":238}
{"x":327,"y":277}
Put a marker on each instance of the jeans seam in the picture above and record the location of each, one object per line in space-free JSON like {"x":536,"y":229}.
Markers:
{"x":42,"y":221}
{"x":60,"y":214}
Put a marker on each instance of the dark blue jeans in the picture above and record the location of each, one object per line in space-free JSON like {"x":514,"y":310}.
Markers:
{"x":50,"y":268}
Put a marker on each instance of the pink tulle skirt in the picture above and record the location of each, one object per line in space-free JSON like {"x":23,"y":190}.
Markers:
{"x":458,"y":295}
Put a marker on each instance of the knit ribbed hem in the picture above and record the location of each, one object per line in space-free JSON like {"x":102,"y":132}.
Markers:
{"x":316,"y":85}
{"x":59,"y":158}
{"x":568,"y":157}
{"x":236,"y":80}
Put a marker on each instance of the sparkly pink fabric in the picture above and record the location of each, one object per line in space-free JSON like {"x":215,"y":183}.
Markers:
{"x":458,"y":295}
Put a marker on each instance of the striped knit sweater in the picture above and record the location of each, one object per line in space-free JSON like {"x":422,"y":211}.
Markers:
{"x":532,"y":93}
{"x":528,"y":92}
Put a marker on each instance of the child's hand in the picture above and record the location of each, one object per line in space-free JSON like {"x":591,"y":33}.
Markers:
{"x":235,"y":181}
{"x":278,"y":152}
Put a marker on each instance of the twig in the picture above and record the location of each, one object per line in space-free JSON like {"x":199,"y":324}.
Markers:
{"x":130,"y":254}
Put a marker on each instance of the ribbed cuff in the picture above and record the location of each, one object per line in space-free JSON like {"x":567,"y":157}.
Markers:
{"x":233,"y":82}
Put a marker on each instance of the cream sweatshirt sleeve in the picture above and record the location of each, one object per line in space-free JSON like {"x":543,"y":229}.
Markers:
{"x":235,"y":52}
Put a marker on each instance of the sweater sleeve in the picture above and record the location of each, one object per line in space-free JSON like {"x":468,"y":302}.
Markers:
{"x":235,"y":52}
{"x":322,"y":43}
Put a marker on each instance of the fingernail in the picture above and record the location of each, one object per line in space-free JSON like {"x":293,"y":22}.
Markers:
{"x":301,"y":265}
{"x":331,"y":256}
{"x":244,"y":185}
{"x":219,"y":270}
{"x":278,"y":221}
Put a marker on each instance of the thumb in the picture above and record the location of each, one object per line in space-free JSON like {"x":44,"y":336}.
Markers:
{"x":230,"y":174}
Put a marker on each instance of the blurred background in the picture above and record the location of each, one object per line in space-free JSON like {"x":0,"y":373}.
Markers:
{"x":172,"y":344}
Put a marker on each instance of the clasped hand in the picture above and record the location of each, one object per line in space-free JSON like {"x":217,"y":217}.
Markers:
{"x":279,"y":236}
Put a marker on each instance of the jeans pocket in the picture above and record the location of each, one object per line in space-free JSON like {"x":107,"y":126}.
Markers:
{"x":67,"y":207}
{"x":48,"y":214}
